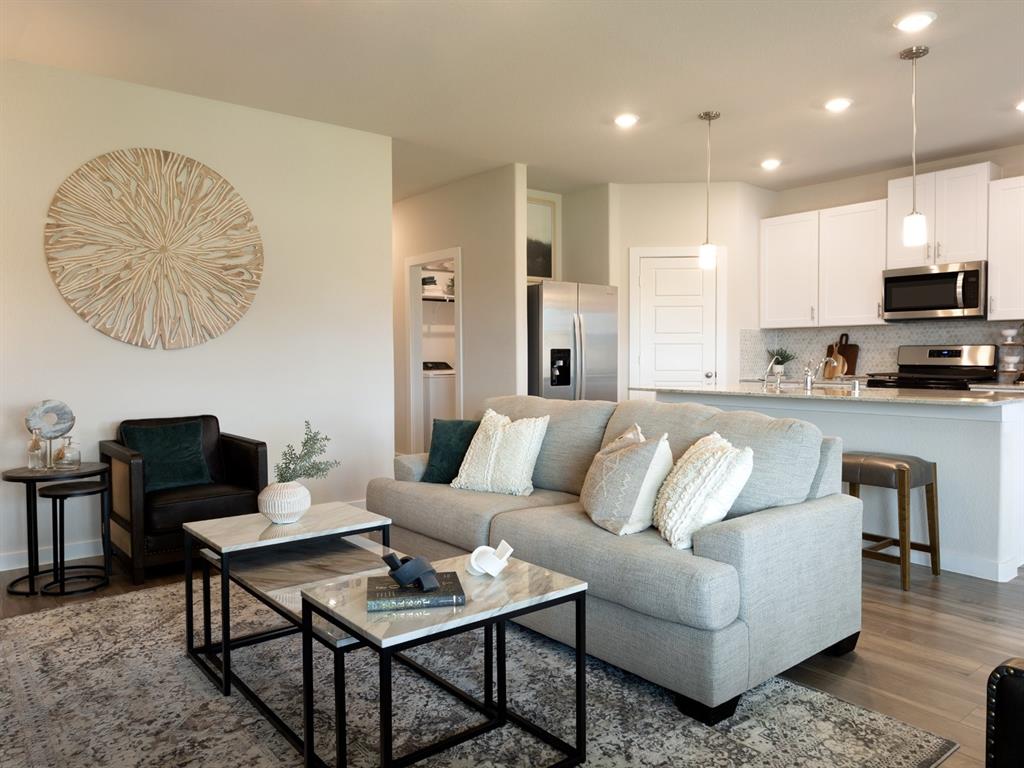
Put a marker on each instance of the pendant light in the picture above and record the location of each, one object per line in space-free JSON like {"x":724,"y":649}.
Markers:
{"x":708,"y":253}
{"x":915,"y":225}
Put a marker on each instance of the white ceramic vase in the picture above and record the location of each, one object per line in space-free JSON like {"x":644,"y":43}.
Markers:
{"x":283,"y":503}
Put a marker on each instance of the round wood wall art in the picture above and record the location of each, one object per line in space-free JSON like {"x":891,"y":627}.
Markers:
{"x":153,"y":248}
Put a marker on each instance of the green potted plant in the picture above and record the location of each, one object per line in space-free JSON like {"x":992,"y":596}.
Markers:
{"x":783,"y":356}
{"x":287,"y":500}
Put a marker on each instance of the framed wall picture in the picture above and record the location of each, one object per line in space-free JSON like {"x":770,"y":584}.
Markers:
{"x":542,"y":237}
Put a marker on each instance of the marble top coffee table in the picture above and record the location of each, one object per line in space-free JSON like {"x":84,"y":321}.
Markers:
{"x":273,"y":563}
{"x":490,"y":602}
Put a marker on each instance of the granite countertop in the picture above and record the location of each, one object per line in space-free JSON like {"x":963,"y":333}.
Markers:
{"x":980,"y":397}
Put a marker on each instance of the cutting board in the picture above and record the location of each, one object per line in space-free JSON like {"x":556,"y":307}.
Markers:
{"x":847,"y":351}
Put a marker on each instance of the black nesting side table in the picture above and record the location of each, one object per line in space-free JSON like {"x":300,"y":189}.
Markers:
{"x":32,"y":478}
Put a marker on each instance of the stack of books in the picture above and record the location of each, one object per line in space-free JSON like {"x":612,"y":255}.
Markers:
{"x":383,"y":594}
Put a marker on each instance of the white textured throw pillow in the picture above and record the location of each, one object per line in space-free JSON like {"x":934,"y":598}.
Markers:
{"x":701,"y":488}
{"x":623,"y":481}
{"x":502,"y":454}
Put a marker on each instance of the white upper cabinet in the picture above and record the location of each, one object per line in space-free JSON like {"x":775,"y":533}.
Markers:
{"x":961,"y":213}
{"x":851,"y":258}
{"x":901,"y":202}
{"x":789,"y":271}
{"x":1006,"y":249}
{"x":955,"y":201}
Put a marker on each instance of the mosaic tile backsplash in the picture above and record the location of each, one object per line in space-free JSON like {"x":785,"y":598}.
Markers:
{"x":878,"y":343}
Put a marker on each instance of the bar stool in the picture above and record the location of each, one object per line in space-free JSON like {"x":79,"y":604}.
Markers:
{"x":92,"y":576}
{"x":900,"y":473}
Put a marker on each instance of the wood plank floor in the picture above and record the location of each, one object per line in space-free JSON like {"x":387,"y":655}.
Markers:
{"x":924,"y":656}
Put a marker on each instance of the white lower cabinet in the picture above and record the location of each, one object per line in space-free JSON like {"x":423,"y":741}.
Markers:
{"x":851,"y":258}
{"x":1006,"y":249}
{"x":789,"y":271}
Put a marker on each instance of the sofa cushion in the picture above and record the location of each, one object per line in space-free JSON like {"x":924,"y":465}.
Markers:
{"x":502,"y":455}
{"x":172,"y":454}
{"x":166,"y":510}
{"x":461,"y":518}
{"x":574,"y":435}
{"x":449,"y":441}
{"x":641,"y":572}
{"x":786,"y":451}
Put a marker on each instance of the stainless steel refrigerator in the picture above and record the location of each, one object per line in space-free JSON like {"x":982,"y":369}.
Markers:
{"x":574,"y":340}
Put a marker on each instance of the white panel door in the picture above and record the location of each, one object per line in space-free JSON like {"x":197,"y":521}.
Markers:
{"x":900,"y":203}
{"x":1006,"y":249}
{"x":677,"y":323}
{"x":789,"y":271}
{"x":961,"y":213}
{"x":851,"y":257}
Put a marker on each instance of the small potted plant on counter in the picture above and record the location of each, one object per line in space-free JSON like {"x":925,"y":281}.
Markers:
{"x":781,"y":356}
{"x":287,"y":500}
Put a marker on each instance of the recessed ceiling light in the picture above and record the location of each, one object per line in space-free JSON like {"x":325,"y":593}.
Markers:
{"x":626,"y":120}
{"x":838,"y":105}
{"x":1020,"y":107}
{"x":915,"y":22}
{"x":770,"y":164}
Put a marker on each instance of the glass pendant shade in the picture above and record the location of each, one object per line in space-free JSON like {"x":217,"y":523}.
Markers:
{"x":915,"y":230}
{"x":707,"y":256}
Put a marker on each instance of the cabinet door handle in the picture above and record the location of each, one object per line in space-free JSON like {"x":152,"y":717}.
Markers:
{"x":879,"y":309}
{"x":991,"y":303}
{"x":812,"y":312}
{"x":938,"y":250}
{"x":928,"y":252}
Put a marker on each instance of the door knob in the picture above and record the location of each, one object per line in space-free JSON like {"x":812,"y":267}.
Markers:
{"x":709,"y":374}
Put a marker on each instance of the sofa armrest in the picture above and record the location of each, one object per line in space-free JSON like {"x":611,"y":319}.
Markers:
{"x":245,"y":461}
{"x":127,"y":495}
{"x":800,"y":581}
{"x":410,"y":466}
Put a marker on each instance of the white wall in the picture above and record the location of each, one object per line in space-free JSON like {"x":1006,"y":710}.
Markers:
{"x":587,"y":248}
{"x":875,"y":186}
{"x":316,"y":342}
{"x":674,"y":215}
{"x":485,"y":216}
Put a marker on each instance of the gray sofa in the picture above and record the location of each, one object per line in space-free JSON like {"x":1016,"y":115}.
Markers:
{"x":773,"y":584}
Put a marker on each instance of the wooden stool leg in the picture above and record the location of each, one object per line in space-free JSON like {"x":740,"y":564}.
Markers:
{"x":903,"y":505}
{"x":931,"y":495}
{"x":855,"y":490}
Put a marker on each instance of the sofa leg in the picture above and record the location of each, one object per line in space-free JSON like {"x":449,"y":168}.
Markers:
{"x":702,"y":713}
{"x":844,"y":646}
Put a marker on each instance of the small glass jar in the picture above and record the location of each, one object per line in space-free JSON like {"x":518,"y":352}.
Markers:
{"x":36,"y":451}
{"x":68,"y":456}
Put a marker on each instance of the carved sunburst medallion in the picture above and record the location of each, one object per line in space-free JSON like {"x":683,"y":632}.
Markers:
{"x":153,"y":248}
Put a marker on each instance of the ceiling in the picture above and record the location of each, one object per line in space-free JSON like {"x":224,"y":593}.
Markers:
{"x":467,"y":86}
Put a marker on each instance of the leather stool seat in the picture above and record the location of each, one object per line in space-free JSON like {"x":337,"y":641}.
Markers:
{"x":882,"y":469}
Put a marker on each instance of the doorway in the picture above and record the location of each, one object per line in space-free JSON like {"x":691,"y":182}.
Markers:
{"x":434,"y":331}
{"x":676,"y":319}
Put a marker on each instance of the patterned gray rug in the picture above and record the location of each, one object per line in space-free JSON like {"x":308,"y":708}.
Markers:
{"x":106,"y":683}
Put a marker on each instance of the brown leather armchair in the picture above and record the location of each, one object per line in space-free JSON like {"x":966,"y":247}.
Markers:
{"x":146,"y":527}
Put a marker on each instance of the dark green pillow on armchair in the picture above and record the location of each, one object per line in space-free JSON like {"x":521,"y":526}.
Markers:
{"x":172,"y":454}
{"x":448,"y":445}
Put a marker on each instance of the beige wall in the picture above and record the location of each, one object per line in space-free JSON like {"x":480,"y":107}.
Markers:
{"x":874,"y":186}
{"x":586,"y":244}
{"x":485,"y":216}
{"x":316,"y":343}
{"x":674,"y":215}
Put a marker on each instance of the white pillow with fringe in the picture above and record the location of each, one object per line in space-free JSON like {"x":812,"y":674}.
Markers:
{"x":502,"y":455}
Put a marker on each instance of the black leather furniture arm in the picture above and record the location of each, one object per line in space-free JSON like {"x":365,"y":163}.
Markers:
{"x":245,"y":461}
{"x":1004,"y":737}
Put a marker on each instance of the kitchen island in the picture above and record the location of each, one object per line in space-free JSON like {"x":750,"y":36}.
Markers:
{"x":975,"y":437}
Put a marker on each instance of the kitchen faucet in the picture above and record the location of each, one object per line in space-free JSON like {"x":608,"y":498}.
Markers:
{"x":810,"y":376}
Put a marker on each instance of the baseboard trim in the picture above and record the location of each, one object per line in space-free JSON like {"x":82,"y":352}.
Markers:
{"x":72,"y":551}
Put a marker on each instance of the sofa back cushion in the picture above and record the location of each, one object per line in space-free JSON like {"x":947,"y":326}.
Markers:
{"x":786,"y":451}
{"x":575,"y":433}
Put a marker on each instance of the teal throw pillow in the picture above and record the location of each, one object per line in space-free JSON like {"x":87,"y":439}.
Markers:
{"x":172,"y":454}
{"x":448,"y":445}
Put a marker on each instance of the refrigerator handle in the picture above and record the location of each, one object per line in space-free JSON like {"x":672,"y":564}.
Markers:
{"x":581,"y":358}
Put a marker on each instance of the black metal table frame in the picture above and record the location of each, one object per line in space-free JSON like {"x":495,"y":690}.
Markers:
{"x":496,"y":711}
{"x":32,"y":532}
{"x":214,"y":658}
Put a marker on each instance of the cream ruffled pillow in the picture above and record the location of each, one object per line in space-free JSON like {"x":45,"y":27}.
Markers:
{"x":701,"y":488}
{"x":502,"y":455}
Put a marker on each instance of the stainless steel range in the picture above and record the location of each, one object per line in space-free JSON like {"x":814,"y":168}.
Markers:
{"x":938,"y":367}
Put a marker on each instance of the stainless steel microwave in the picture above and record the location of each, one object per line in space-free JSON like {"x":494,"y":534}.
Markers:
{"x":939,"y":290}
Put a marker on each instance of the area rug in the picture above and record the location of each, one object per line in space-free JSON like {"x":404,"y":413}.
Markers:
{"x":106,"y":683}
